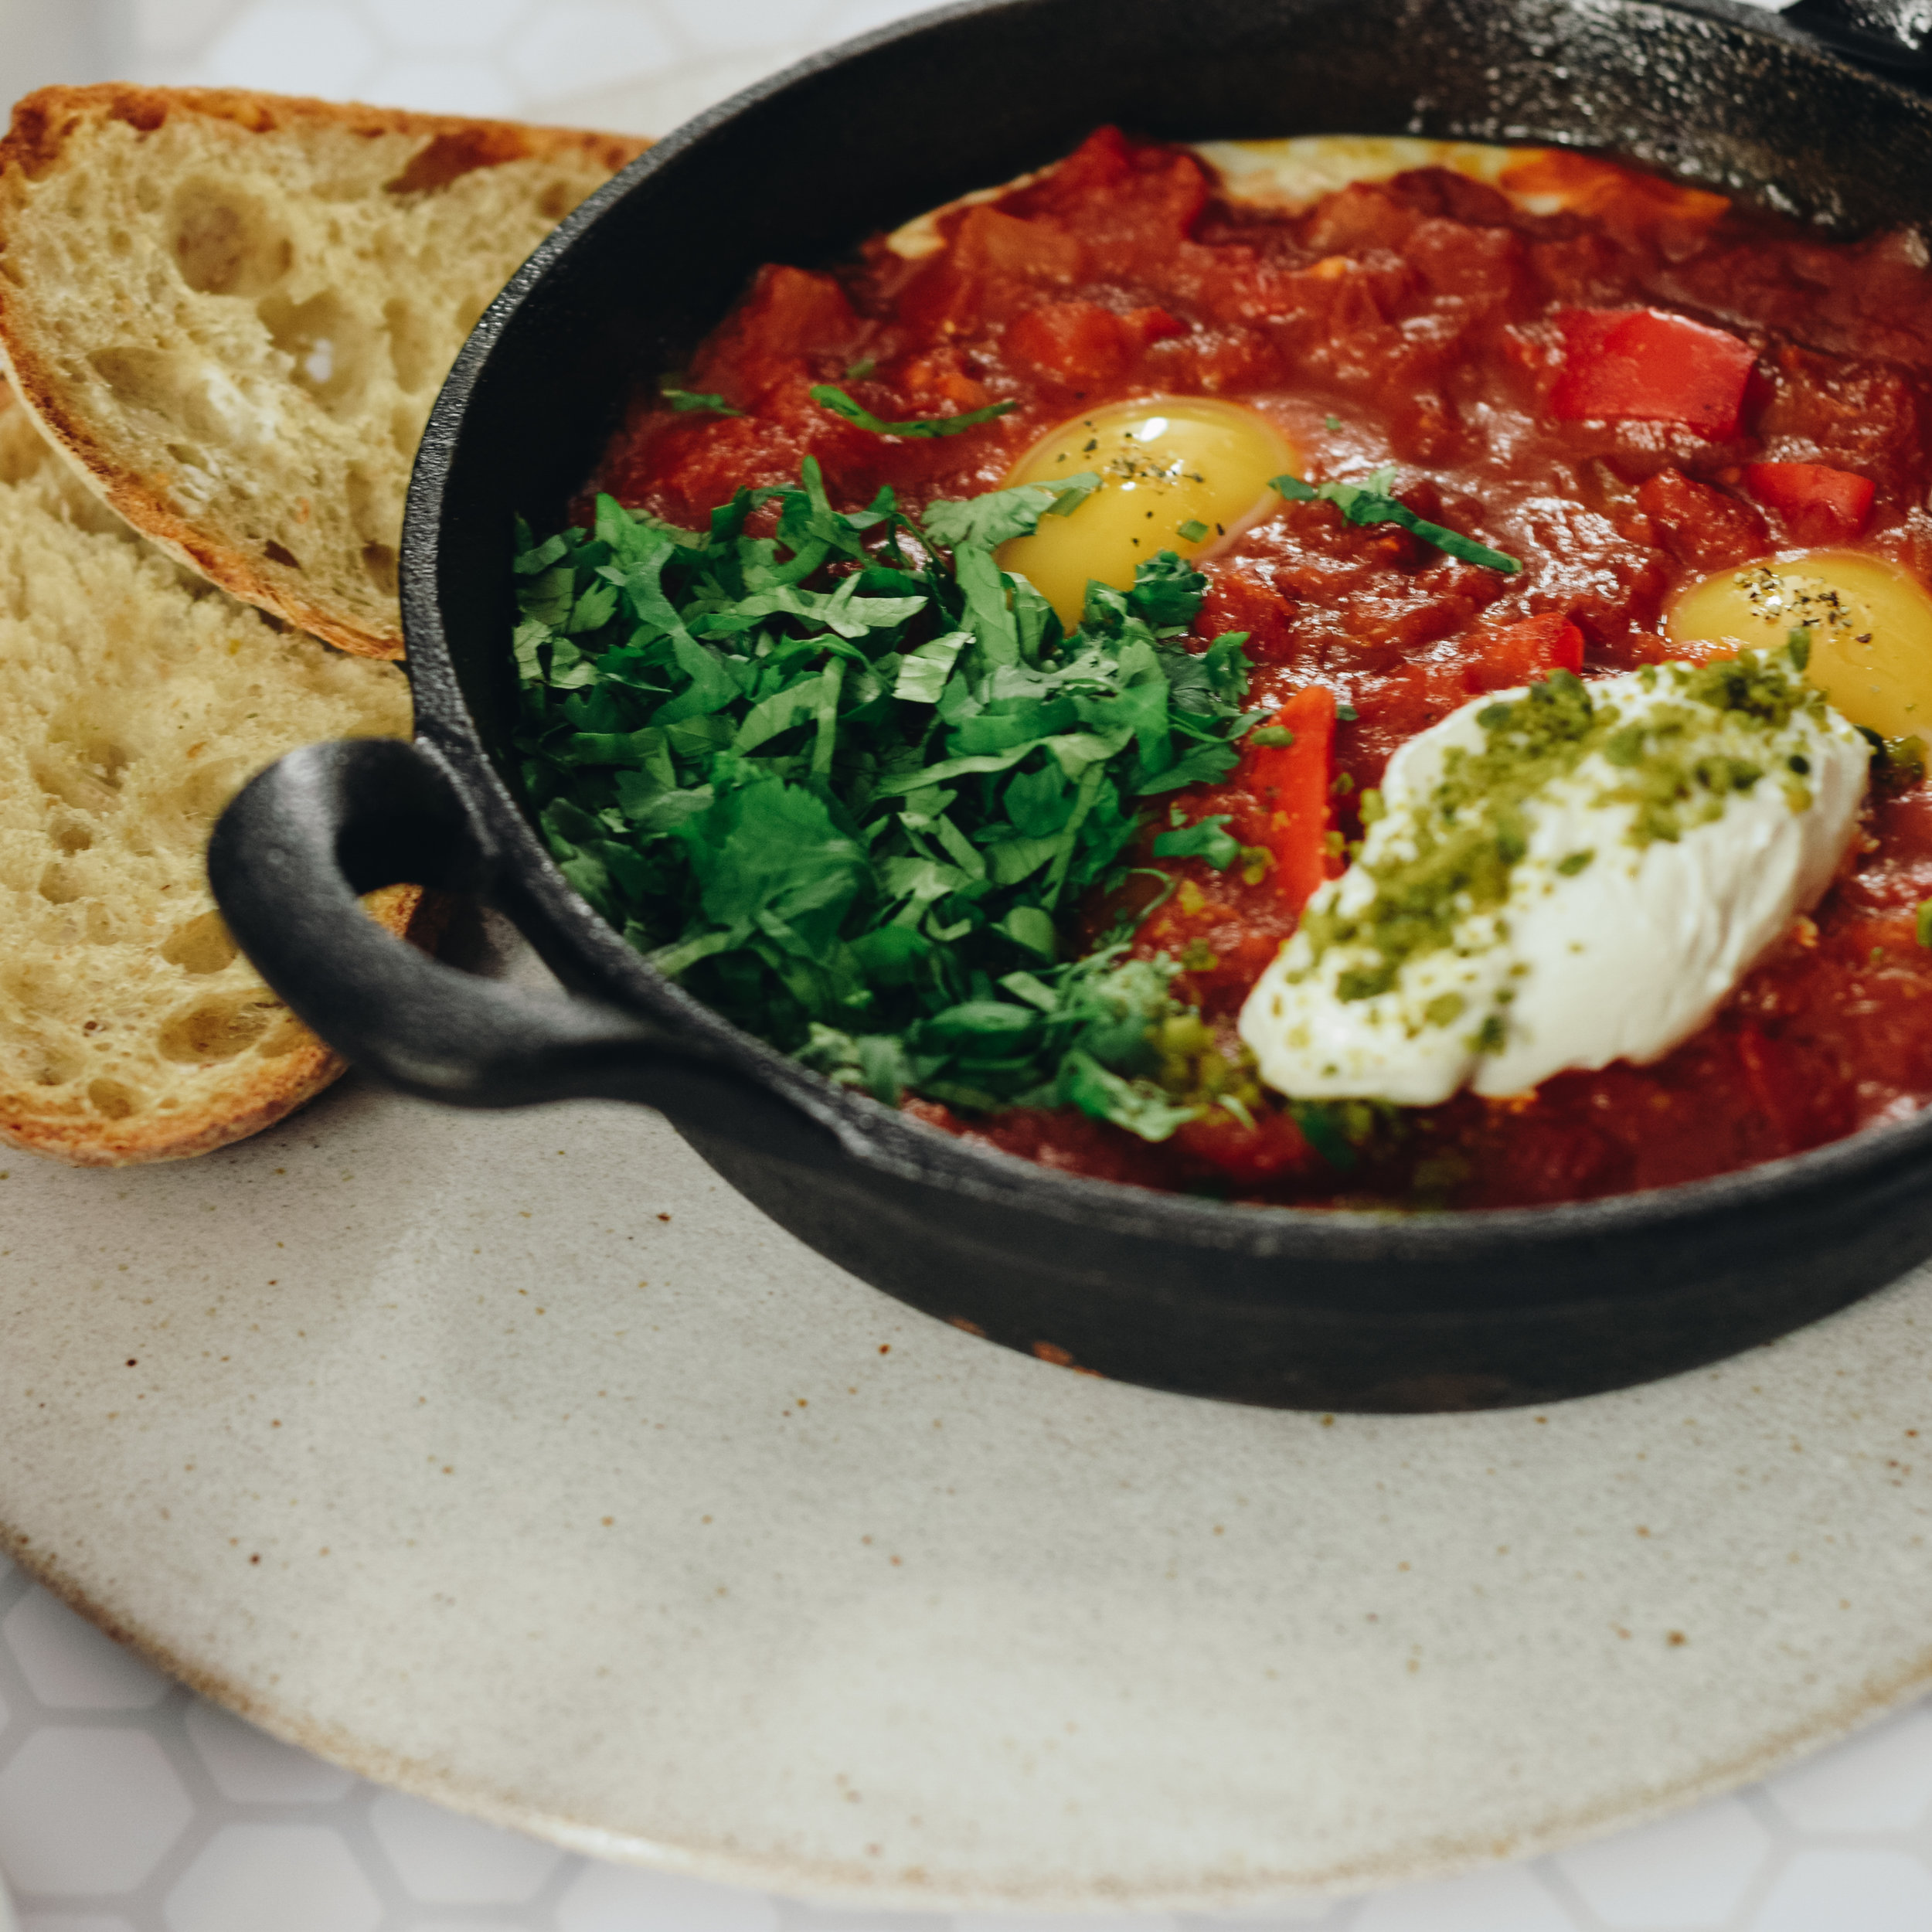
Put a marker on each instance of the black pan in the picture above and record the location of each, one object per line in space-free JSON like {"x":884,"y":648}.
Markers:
{"x":1290,"y":1308}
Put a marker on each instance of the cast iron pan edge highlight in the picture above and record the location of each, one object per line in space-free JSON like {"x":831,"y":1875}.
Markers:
{"x":1279,"y":1306}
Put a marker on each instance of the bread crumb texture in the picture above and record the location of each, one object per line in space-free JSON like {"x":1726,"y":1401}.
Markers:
{"x":233,"y":310}
{"x":134,"y":702}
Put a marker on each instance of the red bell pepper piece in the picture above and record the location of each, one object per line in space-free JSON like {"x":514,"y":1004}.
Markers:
{"x":1818,"y":505}
{"x":1292,"y":783}
{"x":1645,"y":365}
{"x":1521,"y":653}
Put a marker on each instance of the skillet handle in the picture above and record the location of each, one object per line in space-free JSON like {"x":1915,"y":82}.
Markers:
{"x":1893,"y":36}
{"x":289,"y":858}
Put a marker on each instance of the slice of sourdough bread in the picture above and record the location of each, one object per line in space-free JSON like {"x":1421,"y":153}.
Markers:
{"x":135,"y":701}
{"x":232,"y":311}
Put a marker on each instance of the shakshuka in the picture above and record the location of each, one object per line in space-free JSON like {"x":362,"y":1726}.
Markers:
{"x":1555,"y":539}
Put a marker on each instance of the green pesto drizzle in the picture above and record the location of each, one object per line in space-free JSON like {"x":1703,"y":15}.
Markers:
{"x":1465,"y":843}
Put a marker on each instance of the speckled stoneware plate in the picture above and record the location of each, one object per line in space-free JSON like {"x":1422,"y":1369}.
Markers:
{"x":515,"y":1460}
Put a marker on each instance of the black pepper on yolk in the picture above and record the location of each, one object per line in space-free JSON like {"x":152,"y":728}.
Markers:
{"x":1180,"y":473}
{"x":1869,"y":622}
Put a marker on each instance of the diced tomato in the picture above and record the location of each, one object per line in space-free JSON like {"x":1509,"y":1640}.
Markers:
{"x":1292,"y":783}
{"x":989,"y":243}
{"x":1701,"y":526}
{"x":1645,"y":365}
{"x":933,"y":384}
{"x":1147,"y":326}
{"x":1519,"y":653}
{"x":1237,"y":599}
{"x":1095,"y":169}
{"x":1077,"y":342}
{"x":789,"y":313}
{"x":1818,"y":505}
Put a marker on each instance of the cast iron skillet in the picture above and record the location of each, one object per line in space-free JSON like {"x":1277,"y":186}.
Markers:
{"x":1294,"y":1309}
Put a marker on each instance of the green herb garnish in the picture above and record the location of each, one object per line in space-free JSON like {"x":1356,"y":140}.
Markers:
{"x":1466,"y":838}
{"x":1369,"y":502}
{"x":1326,"y":1127}
{"x":846,"y":791}
{"x":1206,"y":838}
{"x":691,"y":399}
{"x":841,"y":404}
{"x":1922,"y":924}
{"x":1903,"y":761}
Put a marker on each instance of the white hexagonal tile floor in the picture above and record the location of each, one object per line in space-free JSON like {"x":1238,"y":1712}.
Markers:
{"x":127,"y":1806}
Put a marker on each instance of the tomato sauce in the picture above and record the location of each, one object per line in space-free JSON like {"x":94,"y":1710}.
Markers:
{"x":1425,"y":322}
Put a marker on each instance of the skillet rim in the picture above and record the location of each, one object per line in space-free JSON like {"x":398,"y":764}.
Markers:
{"x":875,"y":1137}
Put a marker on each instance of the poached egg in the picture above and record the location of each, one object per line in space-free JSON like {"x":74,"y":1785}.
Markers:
{"x":1182,"y":472}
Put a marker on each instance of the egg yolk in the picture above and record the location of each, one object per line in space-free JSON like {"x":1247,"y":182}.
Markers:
{"x":1180,"y":473}
{"x":1870,"y":624}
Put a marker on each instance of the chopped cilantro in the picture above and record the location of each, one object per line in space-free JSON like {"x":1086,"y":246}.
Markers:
{"x":848,"y":788}
{"x":1333,"y":423}
{"x":1192,"y":531}
{"x":1369,"y":502}
{"x":1206,"y":838}
{"x":841,"y":404}
{"x":691,"y":399}
{"x":1324,"y":1127}
{"x":985,"y":522}
{"x":1275,"y":734}
{"x":1345,"y":712}
{"x":1922,"y":924}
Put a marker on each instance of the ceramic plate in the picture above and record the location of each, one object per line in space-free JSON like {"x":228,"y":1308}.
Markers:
{"x":515,"y":1460}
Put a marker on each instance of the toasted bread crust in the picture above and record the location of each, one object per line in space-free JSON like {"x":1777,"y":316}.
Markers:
{"x":88,"y":612}
{"x":272,"y":1093}
{"x":51,"y":131}
{"x":46,"y":120}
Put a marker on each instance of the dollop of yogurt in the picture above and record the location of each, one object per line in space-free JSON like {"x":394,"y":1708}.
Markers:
{"x":1560,"y":876}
